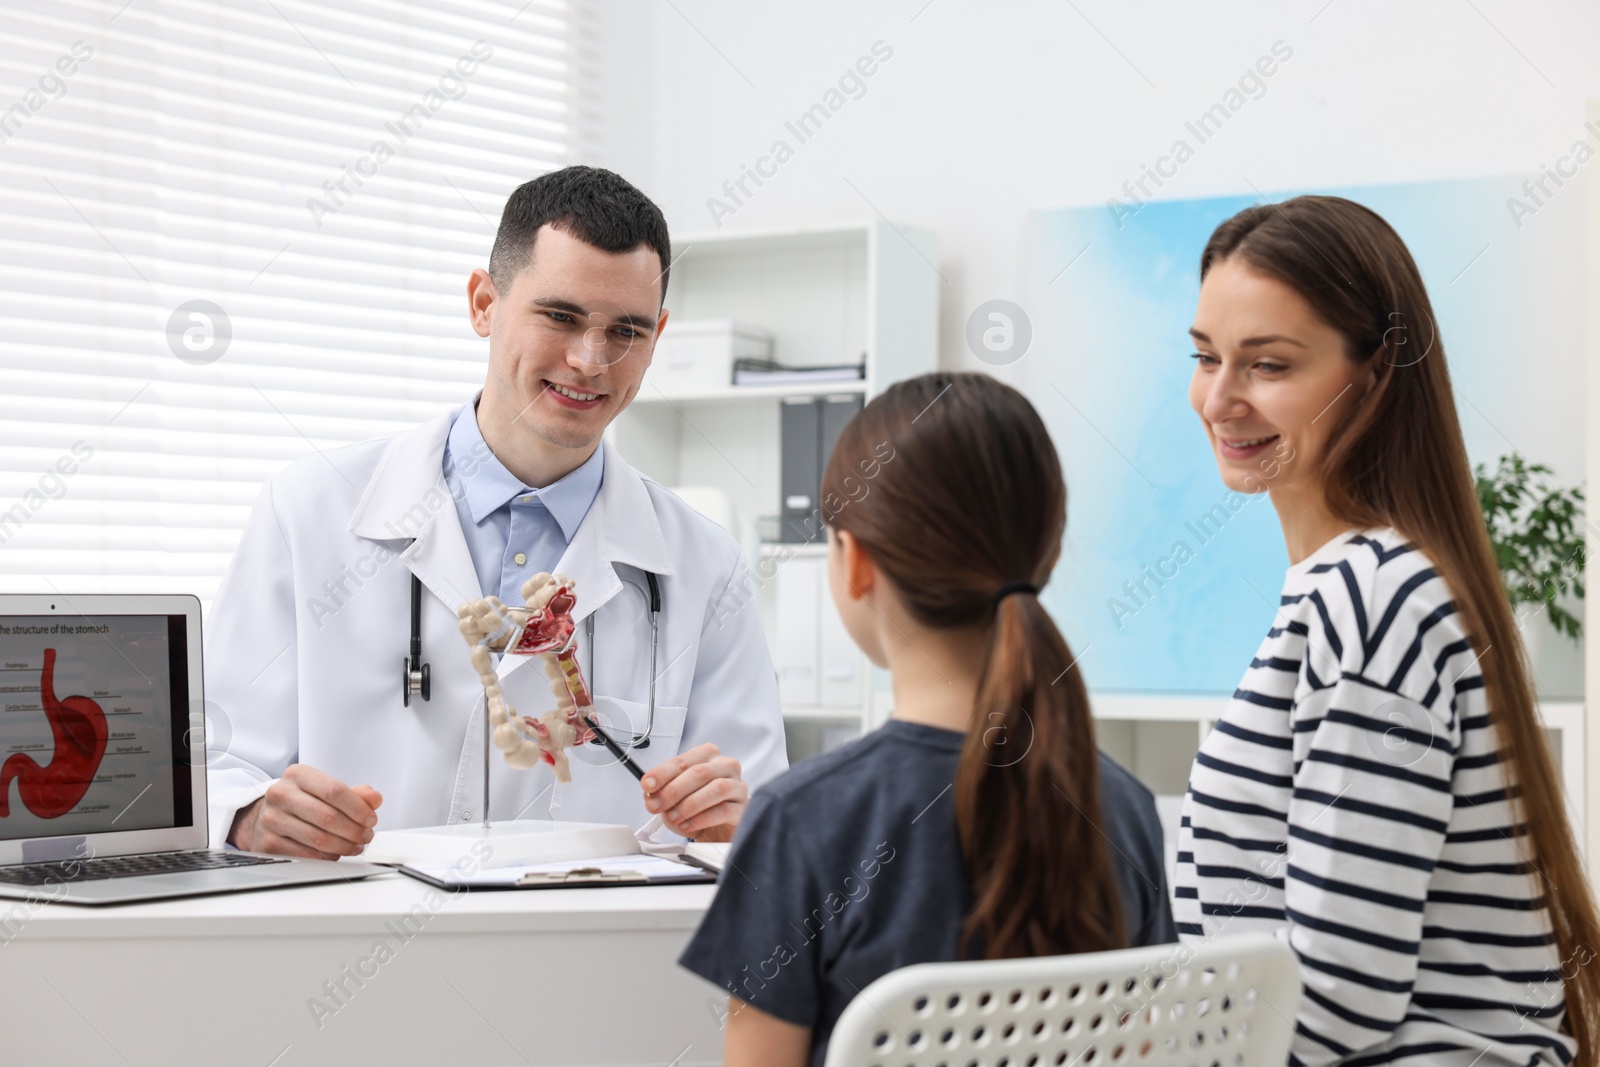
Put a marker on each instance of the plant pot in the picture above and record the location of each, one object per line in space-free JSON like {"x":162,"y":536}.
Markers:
{"x":1555,"y":659}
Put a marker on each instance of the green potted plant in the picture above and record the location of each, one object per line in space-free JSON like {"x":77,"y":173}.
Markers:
{"x":1537,"y":532}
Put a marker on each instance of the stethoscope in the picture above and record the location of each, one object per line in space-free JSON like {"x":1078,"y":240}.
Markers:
{"x":415,"y":675}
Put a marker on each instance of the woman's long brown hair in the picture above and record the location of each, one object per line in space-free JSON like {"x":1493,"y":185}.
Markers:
{"x":973,"y":499}
{"x":1399,"y":461}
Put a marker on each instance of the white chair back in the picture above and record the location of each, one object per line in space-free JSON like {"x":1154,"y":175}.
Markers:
{"x":1228,"y":1003}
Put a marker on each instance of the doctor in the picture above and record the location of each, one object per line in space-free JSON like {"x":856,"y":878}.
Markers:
{"x":311,"y":624}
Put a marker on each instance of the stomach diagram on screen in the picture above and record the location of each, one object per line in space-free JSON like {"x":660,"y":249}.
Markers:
{"x":78,"y":728}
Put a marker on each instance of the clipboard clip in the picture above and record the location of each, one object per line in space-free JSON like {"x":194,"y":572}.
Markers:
{"x":582,"y":876}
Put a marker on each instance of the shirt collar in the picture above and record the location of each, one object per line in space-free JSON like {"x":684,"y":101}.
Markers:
{"x":488,"y":486}
{"x":569,"y":498}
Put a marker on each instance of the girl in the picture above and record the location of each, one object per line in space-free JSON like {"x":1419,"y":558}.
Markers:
{"x":980,"y":821}
{"x":1378,"y":790}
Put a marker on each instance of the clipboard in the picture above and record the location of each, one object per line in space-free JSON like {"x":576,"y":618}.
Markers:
{"x":635,"y":870}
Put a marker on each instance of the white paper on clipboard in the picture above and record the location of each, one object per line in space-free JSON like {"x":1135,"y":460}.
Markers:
{"x":655,"y":868}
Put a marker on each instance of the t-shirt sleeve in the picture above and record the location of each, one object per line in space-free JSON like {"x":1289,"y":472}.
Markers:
{"x":746,"y":943}
{"x":1157,"y":927}
{"x":1133,"y":836}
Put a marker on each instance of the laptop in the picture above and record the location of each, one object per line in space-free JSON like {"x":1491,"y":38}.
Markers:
{"x":103,"y":757}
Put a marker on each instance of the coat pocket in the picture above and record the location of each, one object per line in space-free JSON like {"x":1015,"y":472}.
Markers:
{"x":601,"y":789}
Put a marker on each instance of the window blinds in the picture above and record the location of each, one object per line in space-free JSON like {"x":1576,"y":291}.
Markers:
{"x":232,"y":234}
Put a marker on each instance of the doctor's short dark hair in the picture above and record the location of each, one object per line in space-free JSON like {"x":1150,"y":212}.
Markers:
{"x":597,"y":206}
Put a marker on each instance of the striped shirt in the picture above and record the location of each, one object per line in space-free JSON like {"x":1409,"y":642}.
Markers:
{"x":1351,"y":800}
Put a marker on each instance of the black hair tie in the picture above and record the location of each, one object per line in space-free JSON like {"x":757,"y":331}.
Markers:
{"x":1014,"y":587}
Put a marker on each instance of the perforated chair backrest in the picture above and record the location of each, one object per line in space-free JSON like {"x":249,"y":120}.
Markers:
{"x":1228,"y":1003}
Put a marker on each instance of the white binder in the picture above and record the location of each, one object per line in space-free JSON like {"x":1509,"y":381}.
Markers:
{"x":796,"y":651}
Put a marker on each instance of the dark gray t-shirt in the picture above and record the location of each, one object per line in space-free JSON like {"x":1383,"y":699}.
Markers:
{"x":848,"y":867}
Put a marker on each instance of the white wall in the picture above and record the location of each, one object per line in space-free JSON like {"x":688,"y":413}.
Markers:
{"x":989,"y":109}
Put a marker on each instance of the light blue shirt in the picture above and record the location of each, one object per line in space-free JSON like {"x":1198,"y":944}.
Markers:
{"x":513,"y":532}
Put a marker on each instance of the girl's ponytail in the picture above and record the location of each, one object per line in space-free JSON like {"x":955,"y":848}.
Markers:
{"x":1027,"y":800}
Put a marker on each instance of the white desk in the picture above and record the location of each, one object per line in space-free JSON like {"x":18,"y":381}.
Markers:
{"x":568,"y":976}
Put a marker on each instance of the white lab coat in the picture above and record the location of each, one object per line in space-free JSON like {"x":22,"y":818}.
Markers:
{"x":306,"y":638}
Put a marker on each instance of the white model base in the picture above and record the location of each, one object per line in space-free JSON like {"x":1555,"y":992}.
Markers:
{"x":509,"y":844}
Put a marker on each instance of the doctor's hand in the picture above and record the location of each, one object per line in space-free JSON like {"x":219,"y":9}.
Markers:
{"x":308,"y":813}
{"x":698,"y":793}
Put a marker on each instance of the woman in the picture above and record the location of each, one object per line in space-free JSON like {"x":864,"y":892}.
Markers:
{"x":980,"y":821}
{"x":1378,"y":790}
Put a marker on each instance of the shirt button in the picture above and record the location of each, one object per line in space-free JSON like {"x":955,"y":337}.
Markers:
{"x":520,"y":558}
{"x":466,"y":815}
{"x":527,"y":500}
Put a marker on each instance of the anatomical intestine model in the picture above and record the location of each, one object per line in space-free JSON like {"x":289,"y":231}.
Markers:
{"x":542,"y":627}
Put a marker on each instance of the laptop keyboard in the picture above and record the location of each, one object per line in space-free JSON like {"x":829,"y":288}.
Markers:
{"x":128,"y":866}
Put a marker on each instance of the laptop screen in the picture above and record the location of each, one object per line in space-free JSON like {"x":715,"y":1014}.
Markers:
{"x":94,"y":713}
